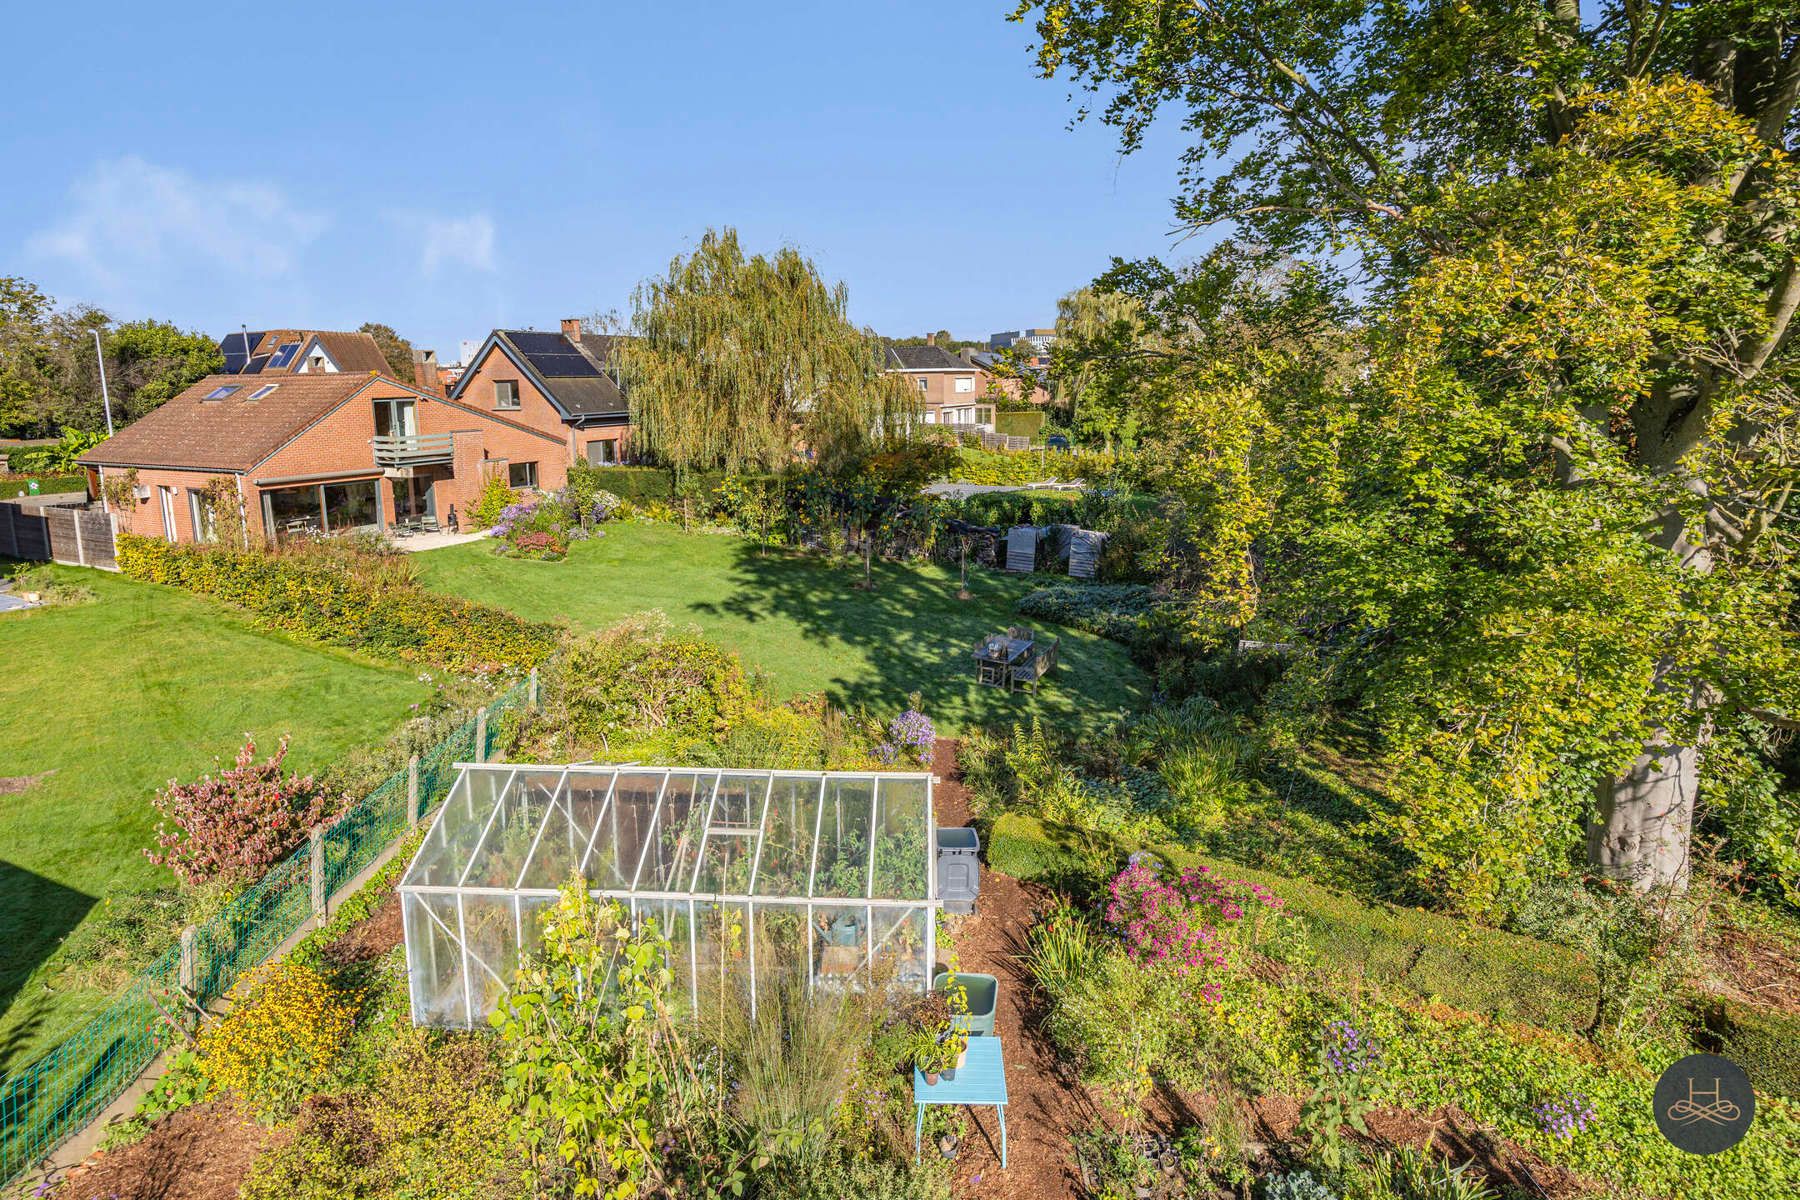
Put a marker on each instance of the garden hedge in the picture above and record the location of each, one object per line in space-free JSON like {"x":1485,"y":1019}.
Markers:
{"x":1030,"y":466}
{"x":642,"y":484}
{"x":323,"y":601}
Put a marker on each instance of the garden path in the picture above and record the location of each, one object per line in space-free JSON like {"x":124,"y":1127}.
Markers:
{"x":1046,"y":1104}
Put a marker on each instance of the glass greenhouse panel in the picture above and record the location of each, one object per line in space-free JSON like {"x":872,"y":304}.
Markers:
{"x":667,"y":862}
{"x":841,"y":865}
{"x":460,"y":823}
{"x":621,"y":837}
{"x":522,"y":806}
{"x":434,"y":960}
{"x":789,"y":827}
{"x":902,"y":840}
{"x":760,"y":880}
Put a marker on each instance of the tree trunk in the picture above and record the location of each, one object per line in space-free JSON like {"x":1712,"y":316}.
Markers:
{"x":1644,"y":820}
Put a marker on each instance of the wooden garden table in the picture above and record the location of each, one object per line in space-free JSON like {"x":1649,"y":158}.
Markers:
{"x":980,"y":1080}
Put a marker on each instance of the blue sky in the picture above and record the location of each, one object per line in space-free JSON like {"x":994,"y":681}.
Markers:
{"x":450,"y":167}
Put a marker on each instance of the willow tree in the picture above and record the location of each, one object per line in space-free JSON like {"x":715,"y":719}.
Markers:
{"x":1583,"y":229}
{"x":741,"y":362}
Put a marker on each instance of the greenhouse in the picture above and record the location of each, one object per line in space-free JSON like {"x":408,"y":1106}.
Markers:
{"x":757,"y":877}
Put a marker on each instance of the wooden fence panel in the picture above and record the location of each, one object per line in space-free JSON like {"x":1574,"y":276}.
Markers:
{"x":57,"y":533}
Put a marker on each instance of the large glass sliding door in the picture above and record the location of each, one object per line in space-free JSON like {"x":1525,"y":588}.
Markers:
{"x":321,"y":509}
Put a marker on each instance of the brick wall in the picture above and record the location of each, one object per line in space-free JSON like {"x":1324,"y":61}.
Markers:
{"x":535,"y":409}
{"x":146,"y":516}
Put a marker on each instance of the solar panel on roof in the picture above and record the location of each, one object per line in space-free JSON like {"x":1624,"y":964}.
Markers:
{"x":284,"y":354}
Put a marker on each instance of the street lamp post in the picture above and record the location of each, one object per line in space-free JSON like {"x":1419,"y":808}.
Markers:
{"x":105,"y":397}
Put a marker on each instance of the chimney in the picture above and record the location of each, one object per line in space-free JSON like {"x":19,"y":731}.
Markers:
{"x":572,"y":329}
{"x":931,"y":339}
{"x":425,"y":372}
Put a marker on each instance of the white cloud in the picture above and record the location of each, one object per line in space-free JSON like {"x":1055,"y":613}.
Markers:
{"x":129,"y":218}
{"x":454,"y":241}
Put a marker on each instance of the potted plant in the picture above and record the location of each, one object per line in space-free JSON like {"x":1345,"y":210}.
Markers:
{"x":932,"y":1054}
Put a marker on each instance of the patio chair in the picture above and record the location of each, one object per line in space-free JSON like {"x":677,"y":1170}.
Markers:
{"x":991,"y":672}
{"x":1018,"y":633}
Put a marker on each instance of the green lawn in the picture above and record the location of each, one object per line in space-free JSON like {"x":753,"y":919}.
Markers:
{"x":799,"y":620}
{"x":106,"y":701}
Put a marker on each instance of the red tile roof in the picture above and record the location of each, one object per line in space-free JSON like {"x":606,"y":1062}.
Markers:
{"x":234,"y":433}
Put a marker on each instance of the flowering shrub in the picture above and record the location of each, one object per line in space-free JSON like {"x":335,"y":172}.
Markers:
{"x":275,"y":1045}
{"x":1182,"y":923}
{"x":495,"y":498}
{"x":605,"y":506}
{"x":1564,"y":1116}
{"x":912,"y":731}
{"x":232,"y":826}
{"x":534,"y":527}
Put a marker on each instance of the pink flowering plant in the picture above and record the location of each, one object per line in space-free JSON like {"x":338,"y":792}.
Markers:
{"x":233,"y":825}
{"x":1182,"y":921}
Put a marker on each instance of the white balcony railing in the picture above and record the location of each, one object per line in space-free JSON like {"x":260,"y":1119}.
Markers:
{"x":413,"y":449}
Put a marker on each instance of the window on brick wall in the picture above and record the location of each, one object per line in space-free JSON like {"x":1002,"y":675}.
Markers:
{"x":602,"y":454}
{"x":521,"y":475}
{"x":965,"y":383}
{"x":506,"y":393}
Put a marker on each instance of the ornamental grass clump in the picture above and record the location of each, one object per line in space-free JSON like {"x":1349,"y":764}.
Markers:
{"x":232,"y":826}
{"x":1182,"y":923}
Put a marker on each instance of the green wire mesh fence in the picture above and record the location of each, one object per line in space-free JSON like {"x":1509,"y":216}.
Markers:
{"x":69,"y":1085}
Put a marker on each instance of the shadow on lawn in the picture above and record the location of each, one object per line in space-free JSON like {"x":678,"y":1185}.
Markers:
{"x":38,"y":913}
{"x":919,"y":637}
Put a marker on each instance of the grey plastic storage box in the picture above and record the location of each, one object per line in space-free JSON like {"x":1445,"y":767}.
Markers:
{"x":958,"y":869}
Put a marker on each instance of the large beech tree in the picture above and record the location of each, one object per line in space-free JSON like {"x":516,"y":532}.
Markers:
{"x":1552,"y":521}
{"x":738,"y":360}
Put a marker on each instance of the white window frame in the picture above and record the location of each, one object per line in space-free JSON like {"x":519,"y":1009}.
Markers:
{"x":965,"y":384}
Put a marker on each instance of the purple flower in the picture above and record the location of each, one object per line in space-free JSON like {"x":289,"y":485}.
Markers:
{"x":913,"y":730}
{"x":887,"y":752}
{"x":1564,"y":1116}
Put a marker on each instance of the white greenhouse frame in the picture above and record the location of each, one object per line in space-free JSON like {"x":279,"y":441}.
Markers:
{"x":673,"y":843}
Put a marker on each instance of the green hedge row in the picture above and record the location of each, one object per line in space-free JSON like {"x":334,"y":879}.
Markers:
{"x":324,"y":600}
{"x":1029,"y":466}
{"x":20,"y":485}
{"x":642,"y":484}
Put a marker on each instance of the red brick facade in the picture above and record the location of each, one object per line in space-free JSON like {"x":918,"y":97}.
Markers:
{"x":337,"y":448}
{"x":535,"y":409}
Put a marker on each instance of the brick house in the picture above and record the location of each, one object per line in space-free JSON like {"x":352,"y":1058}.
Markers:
{"x":954,"y":392}
{"x":310,"y":440}
{"x":564,"y":384}
{"x":301,"y":352}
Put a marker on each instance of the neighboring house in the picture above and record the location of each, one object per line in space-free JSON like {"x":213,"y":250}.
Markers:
{"x":953,"y":391}
{"x":564,"y":384}
{"x":301,"y":352}
{"x":996,"y":379}
{"x":316,"y":448}
{"x":1040,"y":341}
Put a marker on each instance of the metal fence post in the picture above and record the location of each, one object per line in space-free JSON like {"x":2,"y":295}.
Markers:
{"x":317,"y":840}
{"x":412,"y":790}
{"x":481,"y":736}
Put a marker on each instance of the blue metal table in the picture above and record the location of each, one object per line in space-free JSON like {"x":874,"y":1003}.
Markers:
{"x":980,"y":1080}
